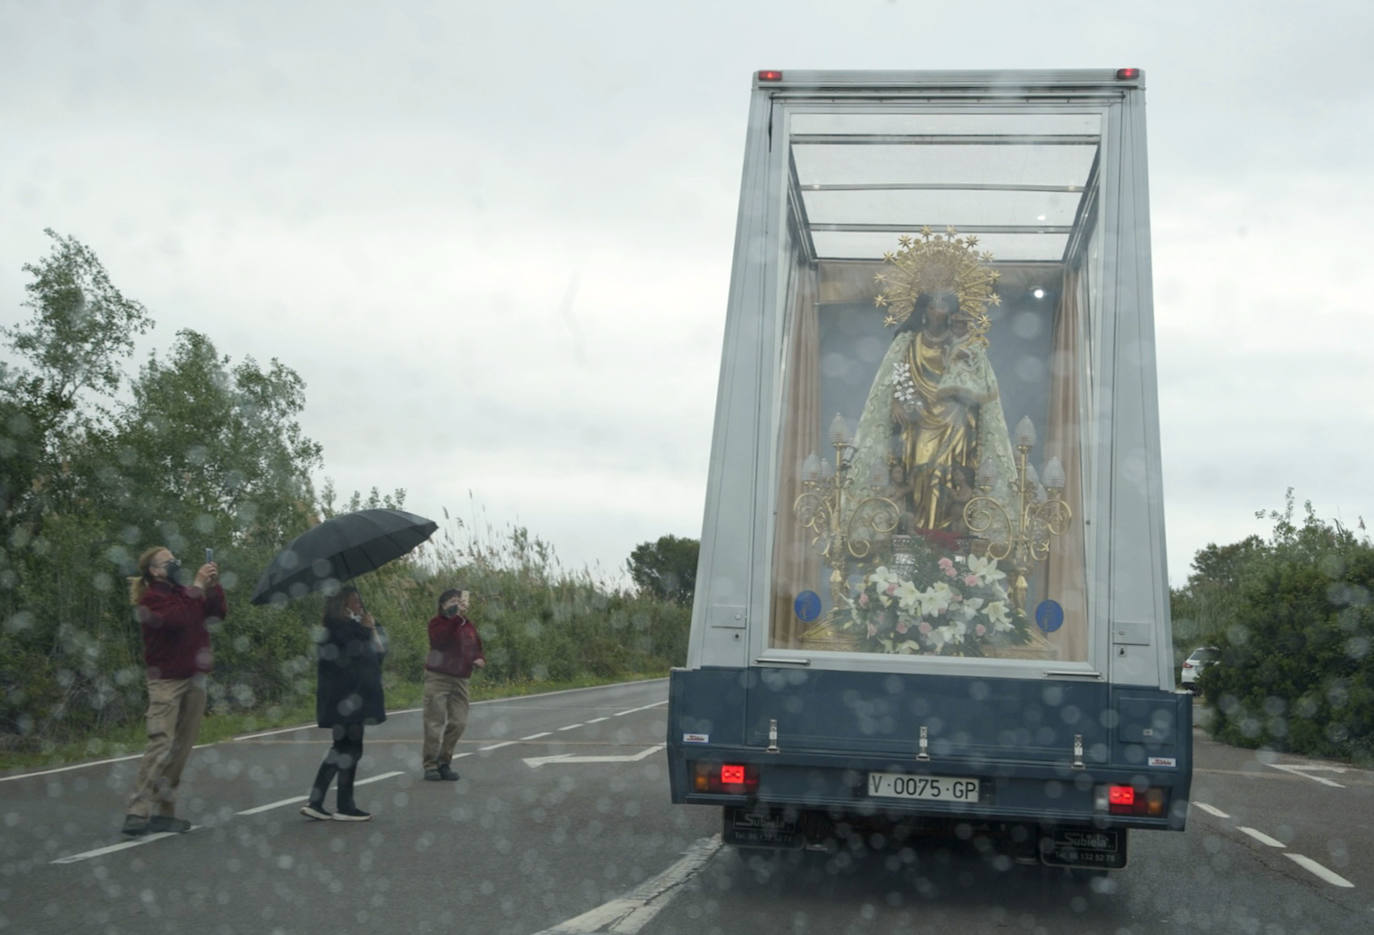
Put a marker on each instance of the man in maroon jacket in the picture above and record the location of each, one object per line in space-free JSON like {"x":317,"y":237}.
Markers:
{"x":454,"y":650}
{"x":176,"y":652}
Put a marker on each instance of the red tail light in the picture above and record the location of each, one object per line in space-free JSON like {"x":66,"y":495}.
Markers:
{"x":723,"y":778}
{"x":770,"y":75}
{"x":1128,"y":800}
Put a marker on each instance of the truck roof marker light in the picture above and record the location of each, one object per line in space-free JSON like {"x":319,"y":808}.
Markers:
{"x":1127,"y":74}
{"x":770,"y":75}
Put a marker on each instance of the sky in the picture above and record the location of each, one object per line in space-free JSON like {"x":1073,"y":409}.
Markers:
{"x":495,"y":239}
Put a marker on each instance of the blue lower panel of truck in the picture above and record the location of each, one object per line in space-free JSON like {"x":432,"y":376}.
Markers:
{"x":1044,"y":752}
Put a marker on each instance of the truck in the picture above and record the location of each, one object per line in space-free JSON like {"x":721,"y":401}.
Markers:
{"x":931,"y":597}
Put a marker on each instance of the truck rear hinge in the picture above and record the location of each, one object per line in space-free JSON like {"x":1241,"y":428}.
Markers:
{"x":1077,"y":751}
{"x":924,"y":743}
{"x":772,"y":735}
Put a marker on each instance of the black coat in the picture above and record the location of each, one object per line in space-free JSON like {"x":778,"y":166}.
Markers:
{"x":349,"y":686}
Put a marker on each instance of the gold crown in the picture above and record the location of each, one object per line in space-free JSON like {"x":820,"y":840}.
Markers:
{"x":938,"y":263}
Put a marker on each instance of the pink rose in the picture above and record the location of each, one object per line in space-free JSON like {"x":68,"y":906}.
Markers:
{"x":863,"y":600}
{"x":925,"y":628}
{"x":970,"y":580}
{"x":891,"y":590}
{"x":903,"y":626}
{"x":980,"y":630}
{"x":947,"y":567}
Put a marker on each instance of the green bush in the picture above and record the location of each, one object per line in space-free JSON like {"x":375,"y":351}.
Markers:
{"x":1296,"y":672}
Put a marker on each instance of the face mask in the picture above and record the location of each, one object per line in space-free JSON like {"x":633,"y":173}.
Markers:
{"x":451,"y":611}
{"x":173,"y":571}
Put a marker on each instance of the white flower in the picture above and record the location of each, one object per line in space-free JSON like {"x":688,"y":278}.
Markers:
{"x":935,"y":599}
{"x":968,"y":609}
{"x":998,"y":616}
{"x":985,"y":569}
{"x":882,"y":576}
{"x":907,"y":596}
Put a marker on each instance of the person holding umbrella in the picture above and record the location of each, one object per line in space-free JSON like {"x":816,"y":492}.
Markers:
{"x":348,"y":696}
{"x":454,"y":650}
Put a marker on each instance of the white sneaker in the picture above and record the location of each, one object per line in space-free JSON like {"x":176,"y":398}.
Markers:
{"x":316,"y":812}
{"x":352,"y":814}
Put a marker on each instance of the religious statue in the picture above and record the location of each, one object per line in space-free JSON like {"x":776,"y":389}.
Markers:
{"x":934,"y":408}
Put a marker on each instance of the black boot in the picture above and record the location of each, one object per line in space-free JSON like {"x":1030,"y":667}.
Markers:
{"x":323,"y":777}
{"x":346,"y":810}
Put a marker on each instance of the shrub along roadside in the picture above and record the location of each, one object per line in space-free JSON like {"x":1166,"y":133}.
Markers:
{"x":1296,"y":671}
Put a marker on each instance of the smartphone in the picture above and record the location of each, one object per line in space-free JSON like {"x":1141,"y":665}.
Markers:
{"x":209,"y":555}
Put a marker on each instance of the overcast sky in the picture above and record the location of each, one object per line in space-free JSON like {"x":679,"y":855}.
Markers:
{"x":494,"y":239}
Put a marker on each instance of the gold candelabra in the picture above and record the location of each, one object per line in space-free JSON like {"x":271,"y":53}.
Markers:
{"x":840,"y":511}
{"x":1020,"y":530}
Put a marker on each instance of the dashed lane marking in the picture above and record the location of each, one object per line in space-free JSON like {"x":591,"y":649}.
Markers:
{"x":1211,"y":810}
{"x":1330,"y":876}
{"x":1261,"y":837}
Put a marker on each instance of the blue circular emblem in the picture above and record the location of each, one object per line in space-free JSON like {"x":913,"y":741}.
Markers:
{"x":807,"y":606}
{"x":1049,"y":616}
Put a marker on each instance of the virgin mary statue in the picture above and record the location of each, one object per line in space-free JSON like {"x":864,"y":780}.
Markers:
{"x":934,"y":407}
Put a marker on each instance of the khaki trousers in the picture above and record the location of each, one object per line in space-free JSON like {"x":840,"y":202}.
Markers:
{"x":446,"y":716}
{"x":175,"y":707}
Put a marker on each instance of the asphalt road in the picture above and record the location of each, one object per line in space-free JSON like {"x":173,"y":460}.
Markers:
{"x":561,"y":823}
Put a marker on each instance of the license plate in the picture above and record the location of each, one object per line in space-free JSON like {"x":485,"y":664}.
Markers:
{"x":928,"y":788}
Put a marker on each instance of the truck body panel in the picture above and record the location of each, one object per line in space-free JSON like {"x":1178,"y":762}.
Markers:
{"x":891,"y":596}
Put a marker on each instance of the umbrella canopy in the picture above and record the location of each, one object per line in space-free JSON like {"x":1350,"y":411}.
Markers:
{"x":341,"y":548}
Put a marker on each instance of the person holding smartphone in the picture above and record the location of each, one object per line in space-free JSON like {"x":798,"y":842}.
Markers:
{"x":455,"y":650}
{"x":175,"y":622}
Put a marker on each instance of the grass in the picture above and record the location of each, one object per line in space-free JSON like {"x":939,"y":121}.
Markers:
{"x":217,"y":727}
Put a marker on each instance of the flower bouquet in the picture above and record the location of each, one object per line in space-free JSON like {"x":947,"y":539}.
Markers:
{"x":950,"y":605}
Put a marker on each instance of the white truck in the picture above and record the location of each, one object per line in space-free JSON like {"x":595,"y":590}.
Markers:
{"x":931,"y":596}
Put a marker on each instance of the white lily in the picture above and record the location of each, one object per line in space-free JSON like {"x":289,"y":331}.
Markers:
{"x":985,"y":569}
{"x":907,"y":596}
{"x":998,"y":616}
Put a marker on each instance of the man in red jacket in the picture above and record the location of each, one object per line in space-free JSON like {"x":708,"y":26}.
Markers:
{"x":176,"y":652}
{"x":454,"y":650}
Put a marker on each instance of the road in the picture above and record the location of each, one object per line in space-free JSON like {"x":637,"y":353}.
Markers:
{"x":561,"y":824}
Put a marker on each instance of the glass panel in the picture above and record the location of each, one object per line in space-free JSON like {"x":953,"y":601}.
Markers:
{"x":930,"y":497}
{"x":1010,"y":165}
{"x":951,"y":123}
{"x":1006,"y":247}
{"x":939,"y":208}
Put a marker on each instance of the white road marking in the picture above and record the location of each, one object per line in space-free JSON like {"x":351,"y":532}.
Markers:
{"x":535,"y":762}
{"x":63,"y":769}
{"x":1261,"y":837}
{"x":640,"y":708}
{"x":272,"y":805}
{"x":1298,"y":769}
{"x":598,"y":720}
{"x":148,"y":838}
{"x":628,"y":914}
{"x":570,"y":727}
{"x":497,"y":746}
{"x":123,"y":846}
{"x":543,"y":733}
{"x":1330,"y":876}
{"x":1210,"y":810}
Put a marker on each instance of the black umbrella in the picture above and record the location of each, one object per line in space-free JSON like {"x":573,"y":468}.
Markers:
{"x":341,"y":548}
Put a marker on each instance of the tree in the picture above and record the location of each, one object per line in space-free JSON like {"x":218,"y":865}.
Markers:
{"x":666,"y":568}
{"x":80,"y":329}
